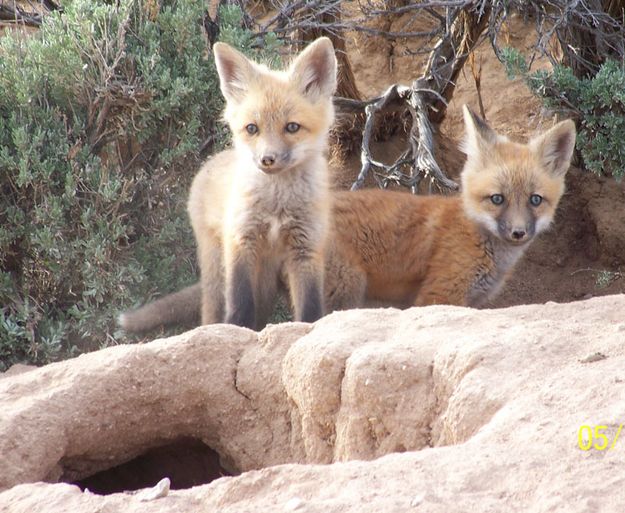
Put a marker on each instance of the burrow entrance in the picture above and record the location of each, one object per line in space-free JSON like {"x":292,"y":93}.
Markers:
{"x":186,"y":462}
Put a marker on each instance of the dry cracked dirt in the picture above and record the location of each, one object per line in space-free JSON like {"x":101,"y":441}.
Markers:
{"x":437,"y":409}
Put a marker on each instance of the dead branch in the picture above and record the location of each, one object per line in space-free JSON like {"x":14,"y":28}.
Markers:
{"x":15,"y":14}
{"x":586,"y":32}
{"x":394,"y":94}
{"x":476,"y":72}
{"x":327,"y":15}
{"x":426,"y":101}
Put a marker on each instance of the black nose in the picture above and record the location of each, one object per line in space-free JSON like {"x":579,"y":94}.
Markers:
{"x":518,"y":234}
{"x":268,"y":160}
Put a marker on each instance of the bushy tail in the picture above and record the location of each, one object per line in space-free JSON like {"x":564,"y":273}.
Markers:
{"x":182,"y":307}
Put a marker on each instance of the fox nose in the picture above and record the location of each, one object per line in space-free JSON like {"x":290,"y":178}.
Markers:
{"x":268,"y":160}
{"x":519,"y":234}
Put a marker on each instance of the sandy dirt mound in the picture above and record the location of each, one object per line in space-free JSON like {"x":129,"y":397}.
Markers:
{"x":478,"y":408}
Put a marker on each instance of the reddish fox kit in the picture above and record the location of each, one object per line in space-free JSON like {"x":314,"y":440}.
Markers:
{"x":262,"y":208}
{"x":396,"y":249}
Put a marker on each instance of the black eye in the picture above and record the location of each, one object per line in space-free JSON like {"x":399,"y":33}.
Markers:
{"x":251,"y":129}
{"x":536,"y":199}
{"x":497,"y":199}
{"x":292,"y":127}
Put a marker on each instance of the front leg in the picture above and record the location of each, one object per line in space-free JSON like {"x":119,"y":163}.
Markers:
{"x":345,"y":282}
{"x":210,"y":257}
{"x":306,"y":286}
{"x":305,"y":270}
{"x":239,"y":266}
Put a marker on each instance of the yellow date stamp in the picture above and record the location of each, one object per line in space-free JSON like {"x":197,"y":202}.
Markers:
{"x":595,"y":437}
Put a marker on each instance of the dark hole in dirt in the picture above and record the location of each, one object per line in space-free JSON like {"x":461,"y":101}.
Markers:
{"x":186,"y":462}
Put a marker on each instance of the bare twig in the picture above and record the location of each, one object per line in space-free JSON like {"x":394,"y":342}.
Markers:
{"x":425,"y":100}
{"x":588,"y":31}
{"x":476,"y":71}
{"x":425,"y":165}
{"x":395,"y":93}
{"x":15,"y":14}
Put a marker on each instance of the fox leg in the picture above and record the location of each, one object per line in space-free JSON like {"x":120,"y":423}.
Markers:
{"x":212,"y":279}
{"x":348,"y":292}
{"x":345,"y":285}
{"x":265,"y":289}
{"x":240,"y":263}
{"x":305,"y":270}
{"x":305,"y":275}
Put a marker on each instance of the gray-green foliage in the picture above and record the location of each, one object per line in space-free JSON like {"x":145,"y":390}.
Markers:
{"x":598,"y":102}
{"x":102,"y":114}
{"x":606,"y":278}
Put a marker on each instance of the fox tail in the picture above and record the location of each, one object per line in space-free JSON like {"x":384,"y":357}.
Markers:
{"x":182,"y":307}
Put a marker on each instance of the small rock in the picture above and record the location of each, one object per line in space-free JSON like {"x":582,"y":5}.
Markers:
{"x":595,"y":357}
{"x":294,"y":504}
{"x":161,"y":489}
{"x":417,"y":500}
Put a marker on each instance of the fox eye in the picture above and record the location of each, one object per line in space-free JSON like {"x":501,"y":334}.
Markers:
{"x":536,"y":199}
{"x":292,"y":127}
{"x":251,"y":129}
{"x":497,"y":199}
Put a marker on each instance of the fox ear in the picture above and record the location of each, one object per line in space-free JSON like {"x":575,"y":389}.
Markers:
{"x":315,"y":69}
{"x":479,"y":136}
{"x":235,"y":71}
{"x":555,"y":147}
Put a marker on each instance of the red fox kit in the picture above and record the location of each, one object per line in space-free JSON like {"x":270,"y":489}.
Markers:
{"x":263,"y":207}
{"x":396,"y":249}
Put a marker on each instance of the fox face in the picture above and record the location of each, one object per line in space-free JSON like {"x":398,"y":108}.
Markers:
{"x":279,"y":119}
{"x":511,"y":189}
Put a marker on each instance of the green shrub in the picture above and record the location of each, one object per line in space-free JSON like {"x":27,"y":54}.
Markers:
{"x":102,"y":115}
{"x":606,"y":278}
{"x":598,"y":102}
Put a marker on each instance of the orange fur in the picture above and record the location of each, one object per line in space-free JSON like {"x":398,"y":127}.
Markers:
{"x":397,"y":249}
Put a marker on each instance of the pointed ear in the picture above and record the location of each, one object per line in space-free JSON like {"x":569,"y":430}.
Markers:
{"x":235,"y":71}
{"x":479,"y":137}
{"x":555,"y":147}
{"x":314,"y":70}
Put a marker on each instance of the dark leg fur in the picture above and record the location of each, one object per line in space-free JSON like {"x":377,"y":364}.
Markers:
{"x":306,"y":286}
{"x":305,"y":268}
{"x":240,"y":309}
{"x":266,"y":289}
{"x":311,"y":303}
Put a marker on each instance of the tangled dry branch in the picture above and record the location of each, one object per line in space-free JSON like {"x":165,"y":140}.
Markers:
{"x":582,"y":34}
{"x":426,"y":101}
{"x":18,"y":14}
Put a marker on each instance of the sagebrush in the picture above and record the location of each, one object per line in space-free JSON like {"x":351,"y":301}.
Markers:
{"x":597,"y":102}
{"x":103,"y":115}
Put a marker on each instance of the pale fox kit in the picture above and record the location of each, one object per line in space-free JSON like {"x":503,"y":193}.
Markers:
{"x":262,"y":208}
{"x":397,"y":249}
